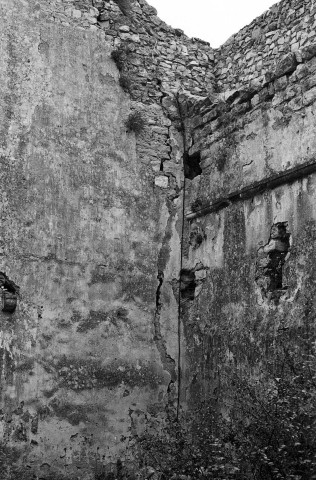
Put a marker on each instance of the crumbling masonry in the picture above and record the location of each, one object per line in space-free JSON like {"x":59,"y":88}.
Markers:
{"x":147,"y":262}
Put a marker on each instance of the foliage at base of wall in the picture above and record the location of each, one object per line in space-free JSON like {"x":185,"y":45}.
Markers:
{"x":267,"y":433}
{"x":266,"y":430}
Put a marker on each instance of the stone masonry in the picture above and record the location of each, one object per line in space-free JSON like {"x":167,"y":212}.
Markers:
{"x":148,"y":261}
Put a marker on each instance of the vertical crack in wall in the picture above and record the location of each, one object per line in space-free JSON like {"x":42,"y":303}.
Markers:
{"x":168,"y":143}
{"x":185,"y":155}
{"x":167,"y":361}
{"x":174,"y":109}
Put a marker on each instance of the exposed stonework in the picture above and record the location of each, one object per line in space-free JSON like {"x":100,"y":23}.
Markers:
{"x":136,"y":252}
{"x":161,"y":59}
{"x":271,"y":260}
{"x":252,"y":55}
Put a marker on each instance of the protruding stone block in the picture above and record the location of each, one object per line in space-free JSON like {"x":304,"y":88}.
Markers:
{"x":162,"y":181}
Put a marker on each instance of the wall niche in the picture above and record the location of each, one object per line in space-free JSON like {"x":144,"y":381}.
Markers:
{"x":9,"y":293}
{"x":271,"y":259}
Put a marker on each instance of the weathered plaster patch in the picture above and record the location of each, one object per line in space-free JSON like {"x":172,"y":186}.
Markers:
{"x":210,"y":252}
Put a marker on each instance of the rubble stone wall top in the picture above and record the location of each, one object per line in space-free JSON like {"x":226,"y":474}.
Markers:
{"x":253,"y":52}
{"x":164,"y":60}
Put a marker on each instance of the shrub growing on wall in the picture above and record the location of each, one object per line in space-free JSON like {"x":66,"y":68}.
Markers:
{"x":125,"y":82}
{"x":273,"y":423}
{"x":188,"y":448}
{"x":269,"y":433}
{"x":135,"y":122}
{"x":120,"y":56}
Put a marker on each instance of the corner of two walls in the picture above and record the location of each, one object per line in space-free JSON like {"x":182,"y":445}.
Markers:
{"x":94,"y":231}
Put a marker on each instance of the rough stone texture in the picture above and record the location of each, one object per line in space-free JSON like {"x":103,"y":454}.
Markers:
{"x":161,"y":59}
{"x":255,"y":52}
{"x":92,"y":218}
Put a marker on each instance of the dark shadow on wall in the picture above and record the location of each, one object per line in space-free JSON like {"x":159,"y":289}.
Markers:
{"x":192,"y":165}
{"x":187,"y":284}
{"x":271,"y":259}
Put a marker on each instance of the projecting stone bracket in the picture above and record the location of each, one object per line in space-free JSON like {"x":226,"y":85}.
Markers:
{"x":9,"y":293}
{"x":162,"y":181}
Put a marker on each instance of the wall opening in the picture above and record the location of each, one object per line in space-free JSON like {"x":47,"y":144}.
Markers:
{"x":197,"y":235}
{"x":9,"y":293}
{"x":271,"y":259}
{"x":192,"y":165}
{"x":187,"y":284}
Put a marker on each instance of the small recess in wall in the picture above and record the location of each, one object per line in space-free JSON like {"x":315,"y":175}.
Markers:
{"x":187,"y":284}
{"x":9,"y":293}
{"x":271,"y":259}
{"x":192,"y":166}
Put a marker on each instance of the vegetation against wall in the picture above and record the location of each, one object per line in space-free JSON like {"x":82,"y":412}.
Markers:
{"x":268,"y":431}
{"x":135,"y":122}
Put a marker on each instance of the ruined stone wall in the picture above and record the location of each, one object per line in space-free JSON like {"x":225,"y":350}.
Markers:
{"x":90,"y":231}
{"x":250,"y":234}
{"x":251,"y":55}
{"x":162,"y":59}
{"x":91,"y":215}
{"x":215,"y":125}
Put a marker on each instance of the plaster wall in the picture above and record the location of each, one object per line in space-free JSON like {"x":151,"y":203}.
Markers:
{"x":232,"y":324}
{"x":84,"y":232}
